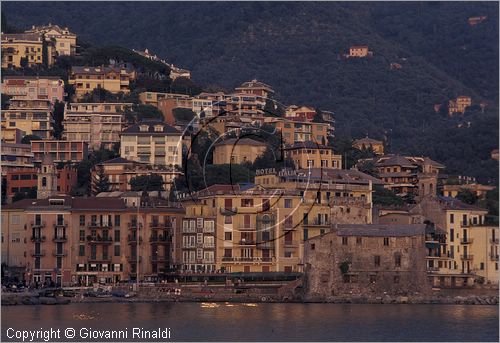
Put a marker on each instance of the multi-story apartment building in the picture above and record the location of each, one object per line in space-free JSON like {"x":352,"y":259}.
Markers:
{"x":367,"y":142}
{"x":298,"y":131}
{"x":313,"y":155}
{"x":209,"y":105}
{"x":302,"y":113}
{"x":34,"y":87}
{"x":16,"y":156}
{"x":99,"y":124}
{"x":12,"y":135}
{"x":359,"y":51}
{"x":235,"y":151}
{"x":153,"y":98}
{"x":86,"y":79}
{"x":60,"y":150}
{"x":233,"y":228}
{"x":459,"y":105}
{"x":64,"y":40}
{"x":22,"y":50}
{"x":255,"y":87}
{"x":407,"y":175}
{"x":120,"y":171}
{"x":72,"y":241}
{"x":471,"y":250}
{"x":33,"y":116}
{"x":246,"y":105}
{"x":152,"y":142}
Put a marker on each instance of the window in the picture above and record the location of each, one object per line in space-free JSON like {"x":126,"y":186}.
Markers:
{"x":199,"y":238}
{"x":117,"y":236}
{"x":344,"y":241}
{"x":228,"y":252}
{"x":288,"y":203}
{"x":306,"y":234}
{"x":452,"y":235}
{"x":397,"y":260}
{"x":117,"y":220}
{"x":81,"y":250}
{"x":386,"y":241}
{"x":376,"y":260}
{"x":82,"y":235}
{"x":117,"y":250}
{"x":228,"y":236}
{"x":82,"y":220}
{"x":358,"y":240}
{"x":209,"y":226}
{"x":452,"y":218}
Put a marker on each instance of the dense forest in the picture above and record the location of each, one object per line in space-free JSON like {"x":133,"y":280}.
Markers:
{"x":297,"y":48}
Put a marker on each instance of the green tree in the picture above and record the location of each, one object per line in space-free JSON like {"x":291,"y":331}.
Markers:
{"x":101,"y":181}
{"x":183,"y":114}
{"x":467,"y":196}
{"x":28,"y":138}
{"x":138,"y":112}
{"x":273,"y":108}
{"x":152,"y":182}
{"x":386,"y":197}
{"x":58,"y":116}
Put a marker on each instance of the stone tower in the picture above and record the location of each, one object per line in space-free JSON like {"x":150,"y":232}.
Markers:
{"x":47,"y":178}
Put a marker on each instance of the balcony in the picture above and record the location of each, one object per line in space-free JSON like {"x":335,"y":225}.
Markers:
{"x":96,"y":225}
{"x":38,"y":239}
{"x":159,"y":259}
{"x":158,"y":225}
{"x":59,"y":253}
{"x":493,"y":257}
{"x":134,"y":259}
{"x":99,"y":240}
{"x":37,"y":253}
{"x":493,"y":240}
{"x":228,"y":211}
{"x":248,"y":209}
{"x":134,"y":225}
{"x":248,"y":259}
{"x":316,"y":222}
{"x":209,"y":245}
{"x":466,"y":240}
{"x":291,"y":244}
{"x":61,"y":224}
{"x":60,"y":239}
{"x":104,"y":258}
{"x":466,"y":257}
{"x":38,"y":224}
{"x":134,"y":239}
{"x":160,"y":239}
{"x":247,"y":242}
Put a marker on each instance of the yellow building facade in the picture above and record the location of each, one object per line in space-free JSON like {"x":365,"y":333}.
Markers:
{"x":22,"y":49}
{"x":237,"y":151}
{"x":312,"y":155}
{"x":86,"y":79}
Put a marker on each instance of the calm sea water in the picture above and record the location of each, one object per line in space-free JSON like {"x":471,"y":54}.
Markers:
{"x":265,"y":322}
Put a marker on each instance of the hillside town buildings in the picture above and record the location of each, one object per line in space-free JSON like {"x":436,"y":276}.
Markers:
{"x":99,"y":124}
{"x":86,"y":79}
{"x":64,"y":40}
{"x":34,"y":87}
{"x":369,"y":143}
{"x":459,"y":105}
{"x":236,"y":150}
{"x":22,"y":50}
{"x":33,"y":116}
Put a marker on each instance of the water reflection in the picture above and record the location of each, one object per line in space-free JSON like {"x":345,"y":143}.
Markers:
{"x":268,"y":322}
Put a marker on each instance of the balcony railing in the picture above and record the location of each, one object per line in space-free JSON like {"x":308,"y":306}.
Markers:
{"x":99,"y":240}
{"x":247,"y":259}
{"x":134,"y":225}
{"x":316,"y":222}
{"x":466,"y":257}
{"x":95,"y":258}
{"x":38,"y":238}
{"x":493,"y":240}
{"x":291,"y":244}
{"x":160,"y":239}
{"x":228,"y":211}
{"x":159,"y":258}
{"x":37,"y":253}
{"x":96,"y":225}
{"x":247,"y":242}
{"x":493,"y":257}
{"x":134,"y":239}
{"x":61,"y":224}
{"x":38,"y":224}
{"x":59,"y":253}
{"x":134,"y":259}
{"x":158,"y":225}
{"x":60,"y":239}
{"x":466,"y":240}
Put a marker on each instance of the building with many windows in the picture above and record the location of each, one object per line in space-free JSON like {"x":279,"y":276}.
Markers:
{"x":86,"y":79}
{"x":23,"y":50}
{"x":313,"y":155}
{"x":237,"y":151}
{"x":298,"y":131}
{"x":64,"y":41}
{"x":99,"y":124}
{"x":34,"y":87}
{"x":152,"y":142}
{"x":33,"y":116}
{"x":60,"y":150}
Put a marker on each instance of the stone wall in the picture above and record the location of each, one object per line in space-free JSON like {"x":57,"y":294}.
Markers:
{"x":324,"y":256}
